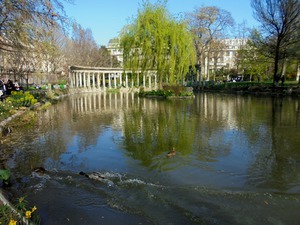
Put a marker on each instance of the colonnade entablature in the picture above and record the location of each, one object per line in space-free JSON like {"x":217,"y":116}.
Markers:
{"x":103,"y":78}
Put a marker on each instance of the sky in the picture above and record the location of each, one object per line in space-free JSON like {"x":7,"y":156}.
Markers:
{"x":106,"y":18}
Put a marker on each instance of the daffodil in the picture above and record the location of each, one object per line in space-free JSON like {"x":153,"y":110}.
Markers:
{"x":33,"y":209}
{"x":28,"y":214}
{"x":12,"y":222}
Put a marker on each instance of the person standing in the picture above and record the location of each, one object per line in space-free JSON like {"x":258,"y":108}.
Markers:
{"x":9,"y":87}
{"x":16,"y":85}
{"x":2,"y":89}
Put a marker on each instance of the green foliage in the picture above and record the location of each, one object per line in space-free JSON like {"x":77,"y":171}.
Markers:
{"x":254,"y":62}
{"x":62,"y":82}
{"x":155,"y":93}
{"x":20,"y":99}
{"x":5,"y":176}
{"x":6,"y":109}
{"x":167,"y":91}
{"x":156,"y":41}
{"x":39,"y":95}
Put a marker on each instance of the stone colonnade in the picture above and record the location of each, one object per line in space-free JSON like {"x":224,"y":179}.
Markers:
{"x":103,"y":78}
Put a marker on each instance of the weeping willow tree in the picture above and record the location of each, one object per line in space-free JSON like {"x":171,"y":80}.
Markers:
{"x":157,"y":41}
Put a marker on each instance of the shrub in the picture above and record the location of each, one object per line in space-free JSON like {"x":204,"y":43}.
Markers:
{"x":176,"y":89}
{"x":6,"y":109}
{"x":20,"y":99}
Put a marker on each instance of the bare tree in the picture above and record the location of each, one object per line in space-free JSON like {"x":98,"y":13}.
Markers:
{"x":208,"y":24}
{"x":24,"y":28}
{"x":18,"y":19}
{"x":280,"y":28}
{"x":82,"y":49}
{"x":105,"y":59}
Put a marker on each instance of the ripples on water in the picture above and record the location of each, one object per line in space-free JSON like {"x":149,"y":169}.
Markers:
{"x":118,"y":195}
{"x":237,"y":161}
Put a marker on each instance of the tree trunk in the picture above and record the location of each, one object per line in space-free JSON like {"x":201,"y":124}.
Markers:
{"x":276,"y":60}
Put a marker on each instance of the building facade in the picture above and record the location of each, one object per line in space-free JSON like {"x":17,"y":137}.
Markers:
{"x":222,"y":56}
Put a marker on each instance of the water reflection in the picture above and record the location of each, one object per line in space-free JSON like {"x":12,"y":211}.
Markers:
{"x":222,"y":142}
{"x":238,"y":135}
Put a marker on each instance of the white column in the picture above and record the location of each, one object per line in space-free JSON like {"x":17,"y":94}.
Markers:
{"x":144,"y":81}
{"x":84,"y":79}
{"x":103,"y":80}
{"x":77,"y":79}
{"x":115,"y":81}
{"x":109,"y":81}
{"x":94,"y":81}
{"x":80,"y":79}
{"x":98,"y":80}
{"x":149,"y":77}
{"x":88,"y":80}
{"x":74,"y":79}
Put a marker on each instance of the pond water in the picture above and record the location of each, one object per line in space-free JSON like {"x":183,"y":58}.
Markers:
{"x":237,"y":160}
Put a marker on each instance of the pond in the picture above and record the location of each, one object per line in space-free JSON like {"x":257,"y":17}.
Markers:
{"x":237,"y":160}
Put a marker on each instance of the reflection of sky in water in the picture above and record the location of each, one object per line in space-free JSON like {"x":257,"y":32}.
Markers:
{"x":225,"y":162}
{"x":226,"y":141}
{"x":94,"y":157}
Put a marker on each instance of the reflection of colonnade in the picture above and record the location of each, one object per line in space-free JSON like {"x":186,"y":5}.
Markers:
{"x":101,"y":78}
{"x":109,"y":102}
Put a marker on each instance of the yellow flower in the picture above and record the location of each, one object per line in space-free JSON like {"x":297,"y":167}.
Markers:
{"x":12,"y":222}
{"x":28,"y":214}
{"x":33,"y":209}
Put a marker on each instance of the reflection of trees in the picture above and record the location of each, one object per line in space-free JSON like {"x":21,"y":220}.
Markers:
{"x":285,"y":133}
{"x":203,"y":131}
{"x":267,"y":129}
{"x":152,"y":131}
{"x":54,"y":131}
{"x":277,"y":165}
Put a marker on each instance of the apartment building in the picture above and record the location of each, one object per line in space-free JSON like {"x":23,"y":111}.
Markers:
{"x":114,"y":48}
{"x":224,"y":56}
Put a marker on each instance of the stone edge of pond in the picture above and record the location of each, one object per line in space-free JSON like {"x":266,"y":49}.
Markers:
{"x":3,"y":124}
{"x":5,"y":202}
{"x":3,"y":128}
